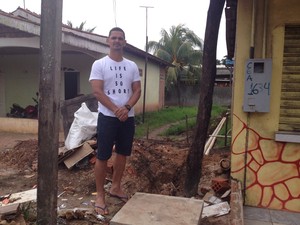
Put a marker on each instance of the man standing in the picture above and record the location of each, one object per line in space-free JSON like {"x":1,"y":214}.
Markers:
{"x":116,"y":84}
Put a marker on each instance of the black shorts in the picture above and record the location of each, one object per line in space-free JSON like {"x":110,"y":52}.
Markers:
{"x":111,"y":131}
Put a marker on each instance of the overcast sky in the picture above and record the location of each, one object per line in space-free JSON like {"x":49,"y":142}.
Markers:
{"x":129,"y":15}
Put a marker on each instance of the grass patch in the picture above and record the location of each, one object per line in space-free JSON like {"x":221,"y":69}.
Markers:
{"x":178,"y":115}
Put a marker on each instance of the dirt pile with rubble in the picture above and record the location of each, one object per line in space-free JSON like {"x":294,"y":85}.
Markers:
{"x":156,"y":166}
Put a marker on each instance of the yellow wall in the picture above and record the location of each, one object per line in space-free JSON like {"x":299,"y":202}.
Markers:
{"x":153,"y":85}
{"x":268,"y":169}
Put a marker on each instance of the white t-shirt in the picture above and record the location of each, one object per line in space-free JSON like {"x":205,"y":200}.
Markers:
{"x":118,"y":78}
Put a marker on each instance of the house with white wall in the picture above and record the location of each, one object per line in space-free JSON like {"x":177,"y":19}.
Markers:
{"x":20,"y":66}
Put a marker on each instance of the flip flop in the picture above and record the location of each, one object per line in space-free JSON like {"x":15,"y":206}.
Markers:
{"x":104,"y":209}
{"x":122,"y":198}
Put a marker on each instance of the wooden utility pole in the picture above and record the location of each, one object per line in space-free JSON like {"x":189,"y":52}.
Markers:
{"x":195,"y":156}
{"x":49,"y":93}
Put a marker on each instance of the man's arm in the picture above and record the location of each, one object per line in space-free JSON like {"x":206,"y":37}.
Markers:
{"x":97,"y":87}
{"x":122,"y":112}
{"x":136,"y":89}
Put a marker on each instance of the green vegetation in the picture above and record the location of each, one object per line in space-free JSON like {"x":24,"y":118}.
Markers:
{"x":180,"y":116}
{"x":183,"y":49}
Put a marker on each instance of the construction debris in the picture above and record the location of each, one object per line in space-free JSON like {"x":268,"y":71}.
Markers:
{"x":211,"y":199}
{"x":211,"y":141}
{"x":9,"y":212}
{"x":220,"y":185}
{"x":20,"y":197}
{"x":79,"y":154}
{"x":215,"y":210}
{"x":149,"y":169}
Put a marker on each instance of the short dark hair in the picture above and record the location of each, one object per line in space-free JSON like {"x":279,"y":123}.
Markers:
{"x":116,"y":29}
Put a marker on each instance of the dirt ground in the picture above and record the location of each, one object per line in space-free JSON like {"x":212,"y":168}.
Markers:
{"x":156,"y":166}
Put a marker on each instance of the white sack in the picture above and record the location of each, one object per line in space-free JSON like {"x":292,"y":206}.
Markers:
{"x":83,"y":128}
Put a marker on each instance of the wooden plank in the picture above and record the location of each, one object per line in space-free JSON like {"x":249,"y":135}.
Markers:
{"x":8,"y":210}
{"x":78,"y":155}
{"x":24,"y":196}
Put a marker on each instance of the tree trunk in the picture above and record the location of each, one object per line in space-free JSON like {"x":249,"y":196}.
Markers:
{"x":195,"y":156}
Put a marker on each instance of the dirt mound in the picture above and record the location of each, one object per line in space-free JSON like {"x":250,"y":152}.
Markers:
{"x":156,"y":166}
{"x":22,"y":155}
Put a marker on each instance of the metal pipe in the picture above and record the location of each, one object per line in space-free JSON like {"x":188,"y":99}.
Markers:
{"x":265,"y":28}
{"x":146,"y":63}
{"x":252,"y":29}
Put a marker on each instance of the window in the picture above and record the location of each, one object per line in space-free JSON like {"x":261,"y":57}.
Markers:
{"x":289,"y":119}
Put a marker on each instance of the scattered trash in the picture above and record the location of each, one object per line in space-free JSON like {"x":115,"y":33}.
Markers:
{"x":29,"y":176}
{"x":76,"y":213}
{"x":216,"y":210}
{"x":2,"y":197}
{"x":61,"y":194}
{"x":225,"y":164}
{"x":5,"y":201}
{"x":9,"y":200}
{"x":62,"y":206}
{"x":211,"y":199}
{"x":226,"y":194}
{"x":100,"y":217}
{"x":107,"y":186}
{"x":83,"y":128}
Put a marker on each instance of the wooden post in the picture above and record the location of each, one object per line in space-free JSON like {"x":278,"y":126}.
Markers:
{"x":49,"y":89}
{"x":187,"y":129}
{"x":226,"y":129}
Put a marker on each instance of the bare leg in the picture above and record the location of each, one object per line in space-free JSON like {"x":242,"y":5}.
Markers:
{"x":100,"y":174}
{"x":119,"y":167}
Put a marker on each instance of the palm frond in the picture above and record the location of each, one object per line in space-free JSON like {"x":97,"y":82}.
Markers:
{"x":181,"y":47}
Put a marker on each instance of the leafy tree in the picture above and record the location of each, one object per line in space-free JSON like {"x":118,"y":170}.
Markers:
{"x":81,"y":27}
{"x":183,"y":48}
